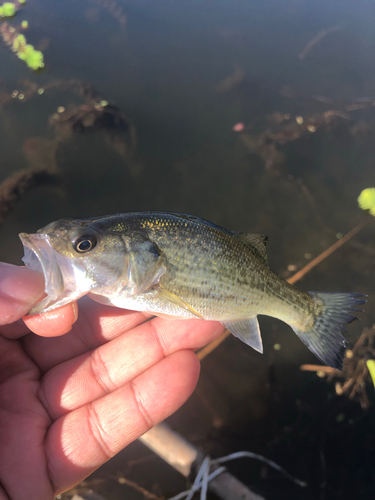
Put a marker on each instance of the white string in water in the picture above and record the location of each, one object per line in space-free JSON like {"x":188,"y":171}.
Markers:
{"x":249,"y":454}
{"x":204,"y":477}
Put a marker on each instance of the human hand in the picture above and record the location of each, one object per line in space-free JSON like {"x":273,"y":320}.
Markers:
{"x":68,"y":403}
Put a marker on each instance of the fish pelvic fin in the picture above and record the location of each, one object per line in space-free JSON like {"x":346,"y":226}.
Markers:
{"x":246,"y":330}
{"x":325,"y":339}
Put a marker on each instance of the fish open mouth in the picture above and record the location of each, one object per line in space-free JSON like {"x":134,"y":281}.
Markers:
{"x":59,"y":273}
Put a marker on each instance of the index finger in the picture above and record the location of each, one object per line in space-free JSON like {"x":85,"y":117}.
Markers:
{"x":96,"y":325}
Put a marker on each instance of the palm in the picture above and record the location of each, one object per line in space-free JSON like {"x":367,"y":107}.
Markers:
{"x":69,"y":403}
{"x":23,"y":424}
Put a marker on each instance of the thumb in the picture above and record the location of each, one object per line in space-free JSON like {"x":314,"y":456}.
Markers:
{"x":20,"y":289}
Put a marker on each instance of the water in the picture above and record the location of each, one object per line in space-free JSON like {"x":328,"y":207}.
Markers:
{"x":166,"y":69}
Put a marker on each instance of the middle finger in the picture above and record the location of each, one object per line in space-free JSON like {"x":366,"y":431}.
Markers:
{"x":92,"y":375}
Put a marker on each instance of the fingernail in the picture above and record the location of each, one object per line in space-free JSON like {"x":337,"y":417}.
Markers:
{"x":75,"y":310}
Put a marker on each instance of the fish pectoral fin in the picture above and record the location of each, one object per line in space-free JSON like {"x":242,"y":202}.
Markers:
{"x":174,"y":299}
{"x":246,"y":330}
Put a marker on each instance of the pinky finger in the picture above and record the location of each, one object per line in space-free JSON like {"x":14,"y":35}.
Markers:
{"x":79,"y":442}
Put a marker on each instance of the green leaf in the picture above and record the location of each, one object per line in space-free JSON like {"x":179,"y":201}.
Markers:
{"x":24,"y":51}
{"x":34,"y":59}
{"x":18,"y":42}
{"x":371,"y":368}
{"x":366,"y":200}
{"x":8,"y":9}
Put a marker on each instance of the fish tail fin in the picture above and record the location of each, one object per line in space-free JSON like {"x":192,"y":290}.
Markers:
{"x":325,"y":339}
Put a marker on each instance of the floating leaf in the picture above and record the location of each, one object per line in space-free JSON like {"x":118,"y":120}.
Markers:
{"x":366,"y":200}
{"x":18,"y":42}
{"x":371,"y":368}
{"x":8,"y":9}
{"x":23,"y":51}
{"x":33,"y":58}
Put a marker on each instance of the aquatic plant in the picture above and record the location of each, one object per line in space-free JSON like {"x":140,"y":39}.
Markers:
{"x":8,"y":9}
{"x":366,"y":200}
{"x":33,"y":58}
{"x":12,"y":37}
{"x":358,"y":369}
{"x":18,"y":43}
{"x":14,"y":187}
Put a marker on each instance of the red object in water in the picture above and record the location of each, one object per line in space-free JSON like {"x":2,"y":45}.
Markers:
{"x":238,"y":127}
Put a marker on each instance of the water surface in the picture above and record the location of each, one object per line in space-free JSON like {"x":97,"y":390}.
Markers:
{"x":182,"y":74}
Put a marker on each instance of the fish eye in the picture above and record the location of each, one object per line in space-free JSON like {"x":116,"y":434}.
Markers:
{"x":85,"y":243}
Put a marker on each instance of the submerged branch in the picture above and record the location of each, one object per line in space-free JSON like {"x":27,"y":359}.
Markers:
{"x":319,"y":368}
{"x":205,"y":351}
{"x":20,"y":183}
{"x":317,"y":38}
{"x":296,"y":277}
{"x":94,"y":114}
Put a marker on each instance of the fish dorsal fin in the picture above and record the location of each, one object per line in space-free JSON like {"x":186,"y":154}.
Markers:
{"x":246,"y":330}
{"x":256,"y":240}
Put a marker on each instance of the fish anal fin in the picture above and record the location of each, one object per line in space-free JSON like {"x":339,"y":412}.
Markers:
{"x":246,"y":330}
{"x":174,"y":299}
{"x":256,"y":240}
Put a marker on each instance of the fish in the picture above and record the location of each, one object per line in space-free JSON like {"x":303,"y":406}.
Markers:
{"x":182,"y":266}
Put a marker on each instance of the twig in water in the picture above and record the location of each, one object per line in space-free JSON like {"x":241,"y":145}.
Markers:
{"x":317,"y":39}
{"x":319,"y":368}
{"x":271,"y":463}
{"x":135,"y":486}
{"x":355,"y":373}
{"x":326,"y":253}
{"x":215,"y":343}
{"x":309,"y":197}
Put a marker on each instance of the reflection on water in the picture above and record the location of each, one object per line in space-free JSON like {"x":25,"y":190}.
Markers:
{"x":135,"y":110}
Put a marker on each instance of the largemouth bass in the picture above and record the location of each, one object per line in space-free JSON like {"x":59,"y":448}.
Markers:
{"x":183,"y":266}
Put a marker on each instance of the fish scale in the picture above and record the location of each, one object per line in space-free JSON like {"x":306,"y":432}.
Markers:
{"x":216,"y":259}
{"x":203,"y":274}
